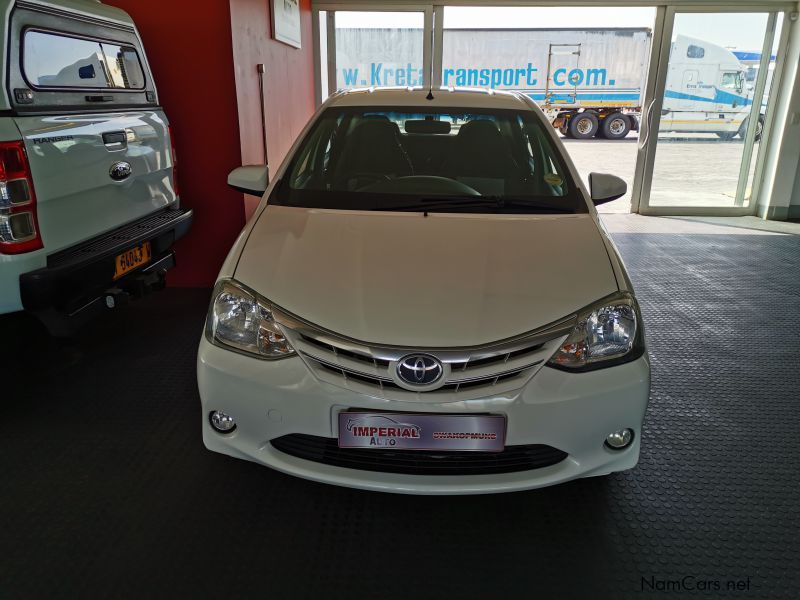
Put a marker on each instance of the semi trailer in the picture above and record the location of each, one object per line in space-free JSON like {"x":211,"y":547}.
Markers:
{"x":590,"y":82}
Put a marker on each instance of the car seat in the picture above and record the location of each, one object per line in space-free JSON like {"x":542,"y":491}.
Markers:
{"x":371,"y":152}
{"x":481,"y":158}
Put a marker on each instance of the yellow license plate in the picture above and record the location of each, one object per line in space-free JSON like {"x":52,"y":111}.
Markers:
{"x":131,"y":259}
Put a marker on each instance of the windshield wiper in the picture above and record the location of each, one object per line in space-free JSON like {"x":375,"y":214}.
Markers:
{"x":437,"y":203}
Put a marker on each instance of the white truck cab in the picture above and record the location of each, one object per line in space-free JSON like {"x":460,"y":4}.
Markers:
{"x":89,"y":209}
{"x":706,"y":91}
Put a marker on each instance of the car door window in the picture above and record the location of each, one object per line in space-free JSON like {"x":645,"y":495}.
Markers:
{"x":312,"y":162}
{"x":731,"y":81}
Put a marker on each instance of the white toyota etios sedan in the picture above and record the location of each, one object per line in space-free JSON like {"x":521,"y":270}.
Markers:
{"x":425,"y":302}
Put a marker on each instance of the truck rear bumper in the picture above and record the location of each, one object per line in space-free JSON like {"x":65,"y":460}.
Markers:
{"x":75,"y":278}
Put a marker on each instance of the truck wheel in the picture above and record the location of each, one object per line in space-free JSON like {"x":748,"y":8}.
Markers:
{"x":727,"y":135}
{"x":615,"y":126}
{"x":583,"y":125}
{"x":759,"y":128}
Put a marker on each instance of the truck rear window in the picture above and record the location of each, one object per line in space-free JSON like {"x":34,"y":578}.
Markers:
{"x":52,"y":60}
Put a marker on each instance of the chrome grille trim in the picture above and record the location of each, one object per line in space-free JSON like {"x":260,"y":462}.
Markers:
{"x":346,"y":372}
{"x":497,"y":375}
{"x":469,"y":373}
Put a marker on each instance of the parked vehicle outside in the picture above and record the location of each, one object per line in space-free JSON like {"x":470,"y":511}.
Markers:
{"x":707,"y":91}
{"x":89,"y":208}
{"x":590,"y":82}
{"x":426,"y":302}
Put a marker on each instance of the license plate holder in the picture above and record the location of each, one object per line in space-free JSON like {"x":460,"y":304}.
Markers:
{"x":423,"y":431}
{"x":131,"y":259}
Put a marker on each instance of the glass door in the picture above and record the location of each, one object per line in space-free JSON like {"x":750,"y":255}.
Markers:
{"x":709,"y":112}
{"x":587,"y":61}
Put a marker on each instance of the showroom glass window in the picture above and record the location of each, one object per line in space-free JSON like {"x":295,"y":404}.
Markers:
{"x":52,"y":60}
{"x":379,"y":48}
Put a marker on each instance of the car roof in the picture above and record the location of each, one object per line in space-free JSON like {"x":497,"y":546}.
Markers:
{"x":445,"y":97}
{"x":87,"y":8}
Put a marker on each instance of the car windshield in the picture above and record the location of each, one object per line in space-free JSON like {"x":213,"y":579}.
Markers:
{"x":438,"y":160}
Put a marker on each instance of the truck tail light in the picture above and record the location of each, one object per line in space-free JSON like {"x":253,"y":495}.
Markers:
{"x":19,"y":228}
{"x":174,"y":160}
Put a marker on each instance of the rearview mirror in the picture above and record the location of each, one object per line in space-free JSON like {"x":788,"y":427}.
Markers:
{"x":252,"y":179}
{"x":427,"y":126}
{"x":605,"y":188}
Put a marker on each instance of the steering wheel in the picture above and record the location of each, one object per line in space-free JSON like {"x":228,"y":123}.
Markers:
{"x":422,"y":184}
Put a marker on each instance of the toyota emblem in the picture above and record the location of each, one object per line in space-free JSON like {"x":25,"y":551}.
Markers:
{"x":419,"y":369}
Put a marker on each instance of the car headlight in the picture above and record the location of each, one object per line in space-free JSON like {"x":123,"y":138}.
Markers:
{"x":242,"y":321}
{"x":606,"y":333}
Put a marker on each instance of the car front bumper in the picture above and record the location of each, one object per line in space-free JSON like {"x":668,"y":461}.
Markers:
{"x":572,"y":412}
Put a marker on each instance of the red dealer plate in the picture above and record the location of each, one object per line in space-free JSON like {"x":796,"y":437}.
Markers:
{"x":485,"y":433}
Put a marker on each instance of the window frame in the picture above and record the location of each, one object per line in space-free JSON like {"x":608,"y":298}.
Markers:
{"x":738,"y":81}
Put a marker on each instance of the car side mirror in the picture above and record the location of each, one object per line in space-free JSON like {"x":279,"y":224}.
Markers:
{"x":252,"y":179}
{"x":605,"y":188}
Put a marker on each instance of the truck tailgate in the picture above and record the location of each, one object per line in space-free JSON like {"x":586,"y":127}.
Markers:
{"x":96,"y":172}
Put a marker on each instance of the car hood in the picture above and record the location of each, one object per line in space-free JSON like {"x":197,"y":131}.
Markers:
{"x":445,"y":280}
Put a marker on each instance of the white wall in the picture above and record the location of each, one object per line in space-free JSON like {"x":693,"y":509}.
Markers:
{"x":794,"y":207}
{"x":781,"y":184}
{"x":789,"y":165}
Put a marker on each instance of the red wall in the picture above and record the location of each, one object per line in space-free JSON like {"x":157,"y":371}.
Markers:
{"x":288,"y":83}
{"x":201,"y":65}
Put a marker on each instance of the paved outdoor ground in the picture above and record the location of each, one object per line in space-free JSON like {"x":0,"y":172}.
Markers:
{"x":697,"y":170}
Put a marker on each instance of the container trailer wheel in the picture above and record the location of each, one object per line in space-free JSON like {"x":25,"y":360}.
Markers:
{"x":583,"y":125}
{"x":615,"y":126}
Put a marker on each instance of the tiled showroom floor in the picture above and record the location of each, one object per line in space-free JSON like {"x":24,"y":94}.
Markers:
{"x":108,"y":491}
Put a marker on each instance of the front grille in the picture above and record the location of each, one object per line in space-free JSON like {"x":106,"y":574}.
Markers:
{"x":371,"y":360}
{"x":469,"y":373}
{"x":453,"y":387}
{"x":416,"y":462}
